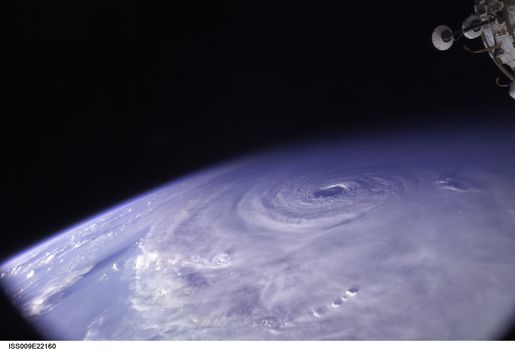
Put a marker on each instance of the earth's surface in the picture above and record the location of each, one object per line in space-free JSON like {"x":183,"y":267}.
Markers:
{"x":396,"y":238}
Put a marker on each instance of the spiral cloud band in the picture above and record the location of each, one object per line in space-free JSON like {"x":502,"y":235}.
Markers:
{"x":335,"y":241}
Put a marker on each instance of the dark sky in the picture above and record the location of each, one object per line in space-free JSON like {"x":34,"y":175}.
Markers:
{"x":102,"y":102}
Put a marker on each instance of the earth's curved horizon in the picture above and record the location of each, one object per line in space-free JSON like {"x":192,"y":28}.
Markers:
{"x":408,"y":237}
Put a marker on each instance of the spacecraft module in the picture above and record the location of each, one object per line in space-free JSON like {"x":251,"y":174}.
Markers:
{"x":493,"y":21}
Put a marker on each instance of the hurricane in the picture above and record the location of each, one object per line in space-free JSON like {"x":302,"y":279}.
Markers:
{"x":333,"y":241}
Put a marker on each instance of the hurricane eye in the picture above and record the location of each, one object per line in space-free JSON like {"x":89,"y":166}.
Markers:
{"x":329,"y":192}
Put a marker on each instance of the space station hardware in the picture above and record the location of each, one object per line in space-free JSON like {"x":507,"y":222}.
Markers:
{"x":493,"y":21}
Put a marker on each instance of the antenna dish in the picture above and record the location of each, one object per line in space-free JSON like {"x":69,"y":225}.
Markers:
{"x":443,"y":38}
{"x":472,"y":27}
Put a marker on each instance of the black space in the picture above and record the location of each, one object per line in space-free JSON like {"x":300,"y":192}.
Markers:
{"x":103,"y":101}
